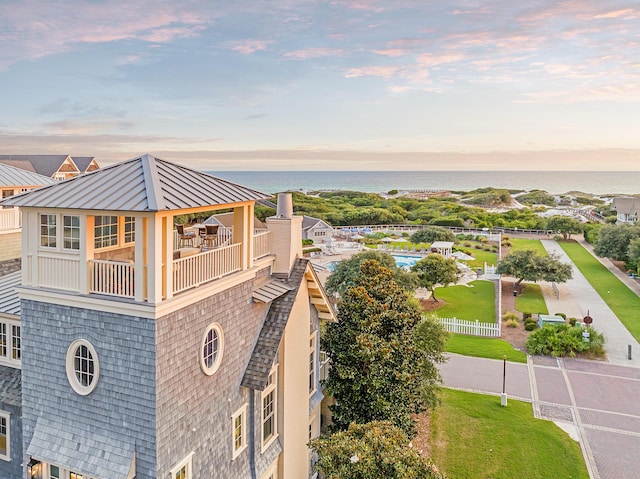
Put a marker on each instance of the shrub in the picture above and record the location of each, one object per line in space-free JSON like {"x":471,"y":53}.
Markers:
{"x":466,"y":244}
{"x":530,"y":325}
{"x":511,"y":323}
{"x":526,"y":316}
{"x":506,"y":244}
{"x":564,"y":340}
{"x":564,"y":316}
{"x":573,"y":321}
{"x":487,"y":248}
{"x":307,"y":242}
{"x":505,"y":238}
{"x":510,"y":315}
{"x":557,"y":238}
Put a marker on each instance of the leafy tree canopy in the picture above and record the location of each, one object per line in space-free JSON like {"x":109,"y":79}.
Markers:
{"x":614,"y":240}
{"x":374,"y":450}
{"x":348,"y":270}
{"x":566,"y":225}
{"x":436,"y":269}
{"x":530,"y":266}
{"x":429,"y":234}
{"x":382,"y":353}
{"x":634,"y":252}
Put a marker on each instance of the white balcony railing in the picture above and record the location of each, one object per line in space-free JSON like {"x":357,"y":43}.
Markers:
{"x":10,"y":219}
{"x":261,"y":243}
{"x":202,"y":267}
{"x":113,"y":278}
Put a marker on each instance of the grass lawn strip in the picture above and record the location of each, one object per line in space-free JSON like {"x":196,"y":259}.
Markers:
{"x":519,"y":244}
{"x":472,"y":437}
{"x":624,"y":303}
{"x":480,"y":347}
{"x":475,"y":301}
{"x":531,"y":300}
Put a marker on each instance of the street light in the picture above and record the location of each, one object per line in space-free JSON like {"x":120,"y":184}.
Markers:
{"x":503,"y":396}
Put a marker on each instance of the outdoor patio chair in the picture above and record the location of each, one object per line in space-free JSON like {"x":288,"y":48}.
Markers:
{"x":210,"y":237}
{"x":184,"y":237}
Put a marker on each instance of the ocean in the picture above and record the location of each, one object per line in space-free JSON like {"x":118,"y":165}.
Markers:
{"x":554,"y":182}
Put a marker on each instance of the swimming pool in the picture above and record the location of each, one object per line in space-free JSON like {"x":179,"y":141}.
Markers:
{"x":404,"y":261}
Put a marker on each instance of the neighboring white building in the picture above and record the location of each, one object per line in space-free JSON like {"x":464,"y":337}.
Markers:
{"x":316,"y":229}
{"x":627,"y":209}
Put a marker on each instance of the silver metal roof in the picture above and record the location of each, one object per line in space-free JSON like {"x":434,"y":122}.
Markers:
{"x":145,"y":183}
{"x":17,"y":177}
{"x":44,"y":164}
{"x":9,"y":299}
{"x":271,"y":290}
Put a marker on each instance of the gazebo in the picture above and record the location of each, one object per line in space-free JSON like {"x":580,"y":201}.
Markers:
{"x":442,"y":247}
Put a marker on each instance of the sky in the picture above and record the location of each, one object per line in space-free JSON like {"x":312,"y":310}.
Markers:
{"x":325,"y":85}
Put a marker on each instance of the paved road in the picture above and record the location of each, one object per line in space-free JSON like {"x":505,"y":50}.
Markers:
{"x":577,"y":298}
{"x":597,"y":403}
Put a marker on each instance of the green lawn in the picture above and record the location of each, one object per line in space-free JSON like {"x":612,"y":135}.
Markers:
{"x":518,"y":244}
{"x":530,"y":300}
{"x":481,"y":257}
{"x":473,"y":437}
{"x":622,"y":301}
{"x":479,"y":347}
{"x":476,"y":301}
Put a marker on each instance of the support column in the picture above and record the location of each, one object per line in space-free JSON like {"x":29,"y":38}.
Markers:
{"x":154,"y":263}
{"x":87,"y":247}
{"x":167,"y":257}
{"x":140,"y":258}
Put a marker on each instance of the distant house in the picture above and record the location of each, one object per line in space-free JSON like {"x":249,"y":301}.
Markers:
{"x":58,"y":167}
{"x":627,"y":209}
{"x":315,"y":229}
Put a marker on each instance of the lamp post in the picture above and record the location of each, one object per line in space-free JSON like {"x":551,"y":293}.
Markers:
{"x":503,"y":396}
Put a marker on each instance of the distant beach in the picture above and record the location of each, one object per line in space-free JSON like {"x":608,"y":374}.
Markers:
{"x":555,"y":182}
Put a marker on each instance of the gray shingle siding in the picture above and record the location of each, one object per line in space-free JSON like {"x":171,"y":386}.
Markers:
{"x":197,"y":408}
{"x":10,"y":401}
{"x":123,"y":403}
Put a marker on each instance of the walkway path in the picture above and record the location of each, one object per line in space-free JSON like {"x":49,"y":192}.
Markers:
{"x":594,"y":401}
{"x":577,"y":298}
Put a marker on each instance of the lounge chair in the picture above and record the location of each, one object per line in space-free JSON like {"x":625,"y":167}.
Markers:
{"x":185,"y":237}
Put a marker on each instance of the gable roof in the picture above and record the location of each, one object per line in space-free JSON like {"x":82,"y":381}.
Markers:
{"x":17,"y":177}
{"x":83,"y":162}
{"x":45,"y":165}
{"x":309,"y":222}
{"x":626,"y":204}
{"x":145,"y":183}
{"x":226,"y":220}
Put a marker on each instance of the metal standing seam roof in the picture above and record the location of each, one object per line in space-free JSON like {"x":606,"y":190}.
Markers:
{"x":17,"y":177}
{"x":9,"y":299}
{"x":144,"y":184}
{"x":271,"y":290}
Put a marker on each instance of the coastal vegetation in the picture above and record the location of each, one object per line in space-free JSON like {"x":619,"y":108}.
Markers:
{"x":472,"y":432}
{"x":560,"y":340}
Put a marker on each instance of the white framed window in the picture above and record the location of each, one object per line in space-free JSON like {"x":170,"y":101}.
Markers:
{"x":48,"y":230}
{"x":312,"y":364}
{"x":129,"y":229}
{"x":105,"y":231}
{"x":71,"y":232}
{"x":10,"y":343}
{"x":83,"y":367}
{"x":183,"y":470}
{"x":5,"y":436}
{"x":239,"y":426}
{"x":270,"y":409}
{"x":211,"y":349}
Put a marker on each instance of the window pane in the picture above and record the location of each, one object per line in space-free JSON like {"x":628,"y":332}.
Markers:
{"x":54,"y":472}
{"x":3,"y":435}
{"x":16,"y":350}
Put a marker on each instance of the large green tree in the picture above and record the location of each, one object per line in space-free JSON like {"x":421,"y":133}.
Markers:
{"x":530,"y":266}
{"x":614,"y":240}
{"x":429,"y":234}
{"x":347,"y":272}
{"x":564,"y":225}
{"x":435,"y":269}
{"x":382,"y":353}
{"x":374,"y":450}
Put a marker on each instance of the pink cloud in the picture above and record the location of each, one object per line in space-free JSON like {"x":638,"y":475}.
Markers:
{"x":432,"y":59}
{"x":313,"y":53}
{"x":391,"y":52}
{"x":247,"y":47}
{"x":375,"y":71}
{"x":627,"y":14}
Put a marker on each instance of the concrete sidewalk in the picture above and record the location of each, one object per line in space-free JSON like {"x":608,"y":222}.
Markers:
{"x":577,"y":298}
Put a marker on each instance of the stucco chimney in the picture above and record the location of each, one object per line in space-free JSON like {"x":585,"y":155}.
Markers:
{"x":286,"y":231}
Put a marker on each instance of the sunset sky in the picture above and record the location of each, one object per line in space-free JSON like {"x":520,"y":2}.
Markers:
{"x":328,"y":85}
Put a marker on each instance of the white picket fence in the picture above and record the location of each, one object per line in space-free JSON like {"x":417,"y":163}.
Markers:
{"x":473,"y":328}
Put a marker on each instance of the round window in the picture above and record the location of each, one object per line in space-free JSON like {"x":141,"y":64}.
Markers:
{"x":83,"y":368}
{"x":211,"y":349}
